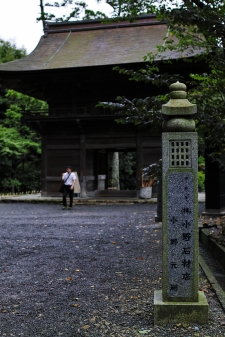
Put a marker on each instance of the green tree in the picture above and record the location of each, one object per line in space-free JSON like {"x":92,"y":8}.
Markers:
{"x":195,"y":28}
{"x":130,"y":9}
{"x":77,"y":10}
{"x":73,"y":10}
{"x":20,"y":147}
{"x":127,"y":170}
{"x":9,"y":51}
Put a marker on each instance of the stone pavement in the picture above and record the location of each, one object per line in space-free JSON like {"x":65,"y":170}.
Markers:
{"x":37,"y":198}
{"x":15,"y":217}
{"x":89,"y":272}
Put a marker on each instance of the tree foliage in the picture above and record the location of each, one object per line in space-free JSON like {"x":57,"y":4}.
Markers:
{"x":73,"y":11}
{"x":198,"y":26}
{"x":195,"y":28}
{"x":77,"y":10}
{"x":20,"y":147}
{"x":130,"y":9}
{"x":9,"y":51}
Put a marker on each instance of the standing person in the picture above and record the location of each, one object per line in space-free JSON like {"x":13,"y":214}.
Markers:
{"x":69,"y":178}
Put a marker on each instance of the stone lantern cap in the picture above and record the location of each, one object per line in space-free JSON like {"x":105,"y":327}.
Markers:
{"x":178,"y":104}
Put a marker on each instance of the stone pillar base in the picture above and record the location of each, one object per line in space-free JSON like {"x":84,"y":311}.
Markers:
{"x":180,"y":312}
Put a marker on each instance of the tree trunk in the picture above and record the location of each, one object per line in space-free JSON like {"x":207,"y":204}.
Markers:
{"x":42,"y":14}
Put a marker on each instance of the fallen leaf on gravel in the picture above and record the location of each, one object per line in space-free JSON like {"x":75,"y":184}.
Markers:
{"x":76,"y":305}
{"x":144,"y":332}
{"x":203,"y":289}
{"x":114,"y":243}
{"x":140,"y":258}
{"x":77,"y":270}
{"x":69,"y":278}
{"x":85,"y":327}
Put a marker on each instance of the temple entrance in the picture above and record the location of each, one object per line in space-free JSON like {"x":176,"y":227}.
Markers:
{"x":121,"y":171}
{"x":114,"y":174}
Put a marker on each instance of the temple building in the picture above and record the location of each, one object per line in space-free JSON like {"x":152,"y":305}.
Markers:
{"x":72,"y":69}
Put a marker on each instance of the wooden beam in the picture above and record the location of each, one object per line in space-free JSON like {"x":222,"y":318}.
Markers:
{"x":83,"y":192}
{"x":139,"y":160}
{"x":44,"y":162}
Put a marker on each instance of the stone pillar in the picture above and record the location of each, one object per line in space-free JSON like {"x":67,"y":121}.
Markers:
{"x":179,"y":301}
{"x":116,"y":170}
{"x":101,"y":182}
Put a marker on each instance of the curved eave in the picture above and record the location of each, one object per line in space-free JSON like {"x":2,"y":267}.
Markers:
{"x":91,"y":47}
{"x":82,"y":50}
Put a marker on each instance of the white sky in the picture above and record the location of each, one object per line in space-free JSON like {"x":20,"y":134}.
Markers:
{"x":18,"y":20}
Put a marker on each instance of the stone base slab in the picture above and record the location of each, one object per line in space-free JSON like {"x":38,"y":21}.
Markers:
{"x":180,"y":312}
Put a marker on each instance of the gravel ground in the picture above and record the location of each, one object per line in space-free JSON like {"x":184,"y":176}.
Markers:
{"x":91,"y":272}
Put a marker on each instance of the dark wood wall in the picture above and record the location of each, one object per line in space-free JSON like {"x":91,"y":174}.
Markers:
{"x":61,"y":147}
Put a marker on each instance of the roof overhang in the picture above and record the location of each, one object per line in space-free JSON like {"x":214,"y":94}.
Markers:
{"x":72,"y":50}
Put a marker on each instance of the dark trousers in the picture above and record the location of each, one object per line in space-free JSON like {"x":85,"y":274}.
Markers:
{"x":66,"y":191}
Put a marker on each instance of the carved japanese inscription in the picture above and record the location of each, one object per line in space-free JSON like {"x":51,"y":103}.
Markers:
{"x":180,"y":225}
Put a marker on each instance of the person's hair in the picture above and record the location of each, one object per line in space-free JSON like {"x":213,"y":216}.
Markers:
{"x":70,"y":167}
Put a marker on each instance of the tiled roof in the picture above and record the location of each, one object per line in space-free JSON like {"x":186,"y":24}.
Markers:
{"x":85,"y":44}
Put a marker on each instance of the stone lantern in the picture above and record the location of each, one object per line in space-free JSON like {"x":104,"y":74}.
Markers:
{"x":179,"y":301}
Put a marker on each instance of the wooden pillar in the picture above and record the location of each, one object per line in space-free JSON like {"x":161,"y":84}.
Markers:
{"x":101,"y":162}
{"x":214,"y":184}
{"x":83,"y":192}
{"x":139,"y":160}
{"x":44,"y":162}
